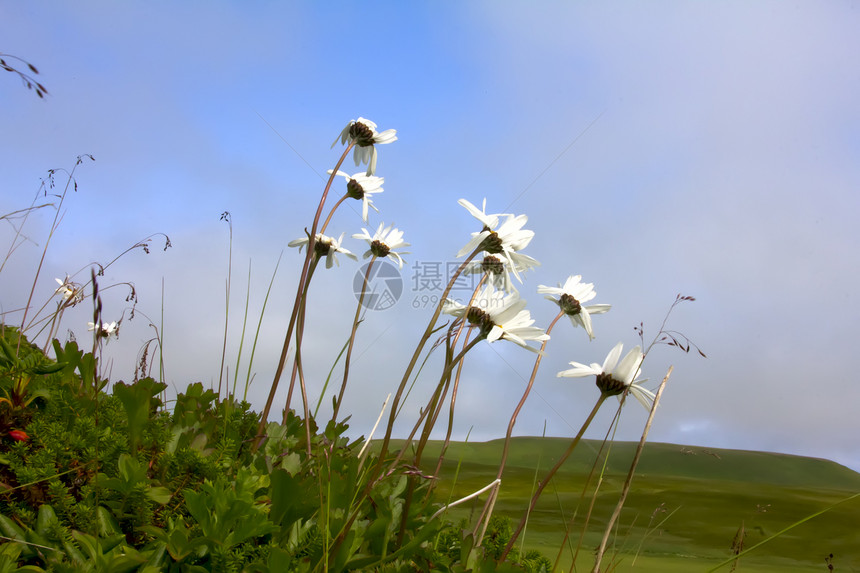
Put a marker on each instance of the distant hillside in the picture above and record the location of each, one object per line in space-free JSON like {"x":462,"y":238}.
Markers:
{"x":704,"y":494}
{"x":687,"y":461}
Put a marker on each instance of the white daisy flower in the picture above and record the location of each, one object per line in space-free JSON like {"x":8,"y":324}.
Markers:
{"x":325,"y":246}
{"x":383,"y":242}
{"x":614,"y":378}
{"x":363,"y":133}
{"x":509,"y":238}
{"x":571,"y":296}
{"x":69,"y":290}
{"x":489,"y":221}
{"x":498,"y":271}
{"x":499,"y":315}
{"x":361,"y":186}
{"x":108,"y":329}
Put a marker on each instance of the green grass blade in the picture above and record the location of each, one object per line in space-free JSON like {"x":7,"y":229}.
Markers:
{"x":259,"y":325}
{"x":328,"y":378}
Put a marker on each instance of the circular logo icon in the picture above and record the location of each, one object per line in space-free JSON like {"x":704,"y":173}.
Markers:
{"x":384,"y":285}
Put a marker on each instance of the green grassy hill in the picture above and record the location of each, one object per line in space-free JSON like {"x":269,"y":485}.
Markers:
{"x":684,"y":510}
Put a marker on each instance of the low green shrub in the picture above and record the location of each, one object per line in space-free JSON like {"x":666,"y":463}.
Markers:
{"x":111,"y":480}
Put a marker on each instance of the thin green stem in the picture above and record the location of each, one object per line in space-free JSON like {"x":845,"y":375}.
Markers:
{"x":552,"y":473}
{"x":377,"y":469}
{"x":297,"y":364}
{"x":425,"y":411}
{"x":54,"y":225}
{"x":298,"y":367}
{"x":355,"y":323}
{"x":160,"y":334}
{"x":416,"y":377}
{"x":450,"y":428}
{"x":300,"y":322}
{"x":607,"y":440}
{"x":522,"y":401}
{"x":425,"y":434}
{"x":259,"y":325}
{"x":629,"y":481}
{"x":226,"y":217}
{"x":264,"y":416}
{"x":17,"y":241}
{"x":488,"y":506}
{"x":418,"y":349}
{"x":328,"y":378}
{"x":242,"y":337}
{"x":455,"y":387}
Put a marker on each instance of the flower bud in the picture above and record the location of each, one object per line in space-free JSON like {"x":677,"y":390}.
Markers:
{"x":19,"y":435}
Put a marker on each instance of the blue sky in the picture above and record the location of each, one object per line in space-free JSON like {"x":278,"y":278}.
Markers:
{"x":697,"y":148}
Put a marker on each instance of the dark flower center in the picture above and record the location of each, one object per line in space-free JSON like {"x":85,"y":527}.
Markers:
{"x":492,"y":244}
{"x":322,"y":247}
{"x":361,"y":134}
{"x":492,"y":265}
{"x":569,"y":305}
{"x":480,"y":319}
{"x":609,"y":385}
{"x":354,"y":190}
{"x":379,"y":249}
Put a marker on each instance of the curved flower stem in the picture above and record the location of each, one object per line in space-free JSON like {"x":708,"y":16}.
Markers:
{"x":493,"y":484}
{"x":226,"y":217}
{"x":434,"y":406}
{"x":297,"y":363}
{"x":488,"y":506}
{"x":627,"y":483}
{"x":54,"y":225}
{"x":461,"y":327}
{"x":523,"y":399}
{"x":428,"y":332}
{"x":405,"y":380}
{"x":300,"y":330}
{"x":264,"y":416}
{"x":298,"y":367}
{"x":598,"y":456}
{"x":452,"y":403}
{"x":330,"y":213}
{"x":445,"y":373}
{"x":372,"y":479}
{"x":355,"y":324}
{"x":430,"y":413}
{"x":551,"y":474}
{"x":456,"y":384}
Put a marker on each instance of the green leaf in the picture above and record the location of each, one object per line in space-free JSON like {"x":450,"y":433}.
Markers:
{"x":69,"y":355}
{"x":48,"y":368}
{"x":106,"y":523}
{"x":46,"y":520}
{"x":8,"y":356}
{"x":138,"y":402}
{"x":159,"y":494}
{"x":292,"y":499}
{"x":291,"y":462}
{"x":9,"y":554}
{"x":11,"y":529}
